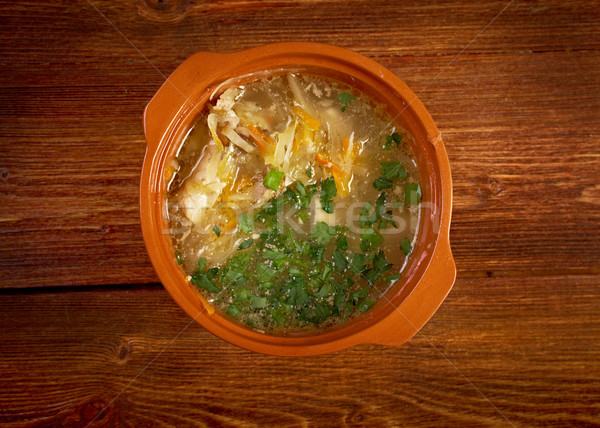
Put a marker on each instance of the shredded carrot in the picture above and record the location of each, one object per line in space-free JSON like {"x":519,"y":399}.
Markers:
{"x":262,"y":140}
{"x":341,"y":183}
{"x":310,"y":121}
{"x":346,"y":144}
{"x":303,"y":134}
{"x":324,"y":160}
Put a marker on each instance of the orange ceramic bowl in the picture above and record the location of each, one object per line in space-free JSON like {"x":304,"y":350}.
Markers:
{"x":430,"y":273}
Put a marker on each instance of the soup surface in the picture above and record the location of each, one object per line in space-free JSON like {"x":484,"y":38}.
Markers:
{"x":293,"y":203}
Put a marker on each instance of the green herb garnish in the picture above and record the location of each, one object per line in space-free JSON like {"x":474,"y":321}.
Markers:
{"x":201,"y":263}
{"x":178,"y":258}
{"x":345,"y":98}
{"x":296,"y":292}
{"x":380,"y":262}
{"x":371,"y":238}
{"x":323,"y":233}
{"x":233,"y":311}
{"x":328,"y":191}
{"x":246,"y":223}
{"x":273,"y":254}
{"x":365,"y":305}
{"x":273,"y":179}
{"x":204,"y":279}
{"x":357,"y":263}
{"x":393,"y":170}
{"x":303,"y":216}
{"x":216,"y":230}
{"x":322,"y":312}
{"x":391,"y":140}
{"x":367,"y":217}
{"x":382,"y":183}
{"x":258,"y":302}
{"x":247,"y":243}
{"x":314,"y":289}
{"x":412,"y":194}
{"x":341,"y":263}
{"x":406,"y":247}
{"x":241,"y":295}
{"x":393,"y":277}
{"x":390,"y":171}
{"x":358,"y":295}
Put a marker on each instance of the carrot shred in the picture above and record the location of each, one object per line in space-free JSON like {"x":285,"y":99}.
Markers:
{"x":303,"y":134}
{"x":310,"y":121}
{"x":326,"y":162}
{"x":346,"y":143}
{"x":262,"y":141}
{"x":341,"y":184}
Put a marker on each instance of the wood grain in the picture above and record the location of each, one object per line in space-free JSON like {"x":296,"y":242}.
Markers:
{"x":499,"y":352}
{"x":90,"y":339}
{"x":518,"y":111}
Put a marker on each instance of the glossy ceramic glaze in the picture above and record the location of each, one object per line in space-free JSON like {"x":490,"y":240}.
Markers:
{"x":430,"y":273}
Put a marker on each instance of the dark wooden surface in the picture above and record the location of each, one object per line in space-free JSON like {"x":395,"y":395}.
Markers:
{"x":85,"y":326}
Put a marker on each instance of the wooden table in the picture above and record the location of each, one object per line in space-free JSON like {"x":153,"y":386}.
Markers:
{"x":89,"y":337}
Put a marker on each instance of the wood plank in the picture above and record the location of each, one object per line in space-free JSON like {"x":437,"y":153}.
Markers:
{"x":500,"y":351}
{"x":175,"y":29}
{"x":524,"y":155}
{"x":518,"y":112}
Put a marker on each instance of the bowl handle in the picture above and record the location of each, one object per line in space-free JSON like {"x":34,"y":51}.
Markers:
{"x":176,"y":93}
{"x":404,"y":322}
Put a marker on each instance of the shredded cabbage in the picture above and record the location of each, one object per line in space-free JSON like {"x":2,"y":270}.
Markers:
{"x":235,"y":138}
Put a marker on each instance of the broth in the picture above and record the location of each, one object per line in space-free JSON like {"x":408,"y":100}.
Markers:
{"x":293,"y":203}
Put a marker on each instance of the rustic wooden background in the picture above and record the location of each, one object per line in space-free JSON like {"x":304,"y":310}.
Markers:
{"x":90,"y":338}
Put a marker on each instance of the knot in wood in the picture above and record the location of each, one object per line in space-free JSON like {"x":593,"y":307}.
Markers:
{"x":163,"y":10}
{"x":93,"y":410}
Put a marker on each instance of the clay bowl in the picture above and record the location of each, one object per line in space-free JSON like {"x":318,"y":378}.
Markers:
{"x":431,"y":271}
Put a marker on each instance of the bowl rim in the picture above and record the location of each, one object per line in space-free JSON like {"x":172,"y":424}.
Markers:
{"x":167,"y":118}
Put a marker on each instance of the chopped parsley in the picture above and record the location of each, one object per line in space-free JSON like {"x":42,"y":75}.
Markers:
{"x":391,"y":140}
{"x":379,"y":267}
{"x":345,"y":98}
{"x":406,"y":247}
{"x":204,"y":279}
{"x":393,"y":170}
{"x":233,"y":311}
{"x":342,"y":243}
{"x":285,"y":275}
{"x":323,"y":233}
{"x":412,"y":194}
{"x":365,"y":305}
{"x":246,"y":223}
{"x":370,"y":239}
{"x":201,"y":263}
{"x":247,"y":243}
{"x":357,"y":263}
{"x":393,"y":277}
{"x":390,"y":172}
{"x":328,"y":191}
{"x":341,"y":263}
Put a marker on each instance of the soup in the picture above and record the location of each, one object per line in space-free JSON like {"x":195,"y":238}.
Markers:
{"x":293,"y":203}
